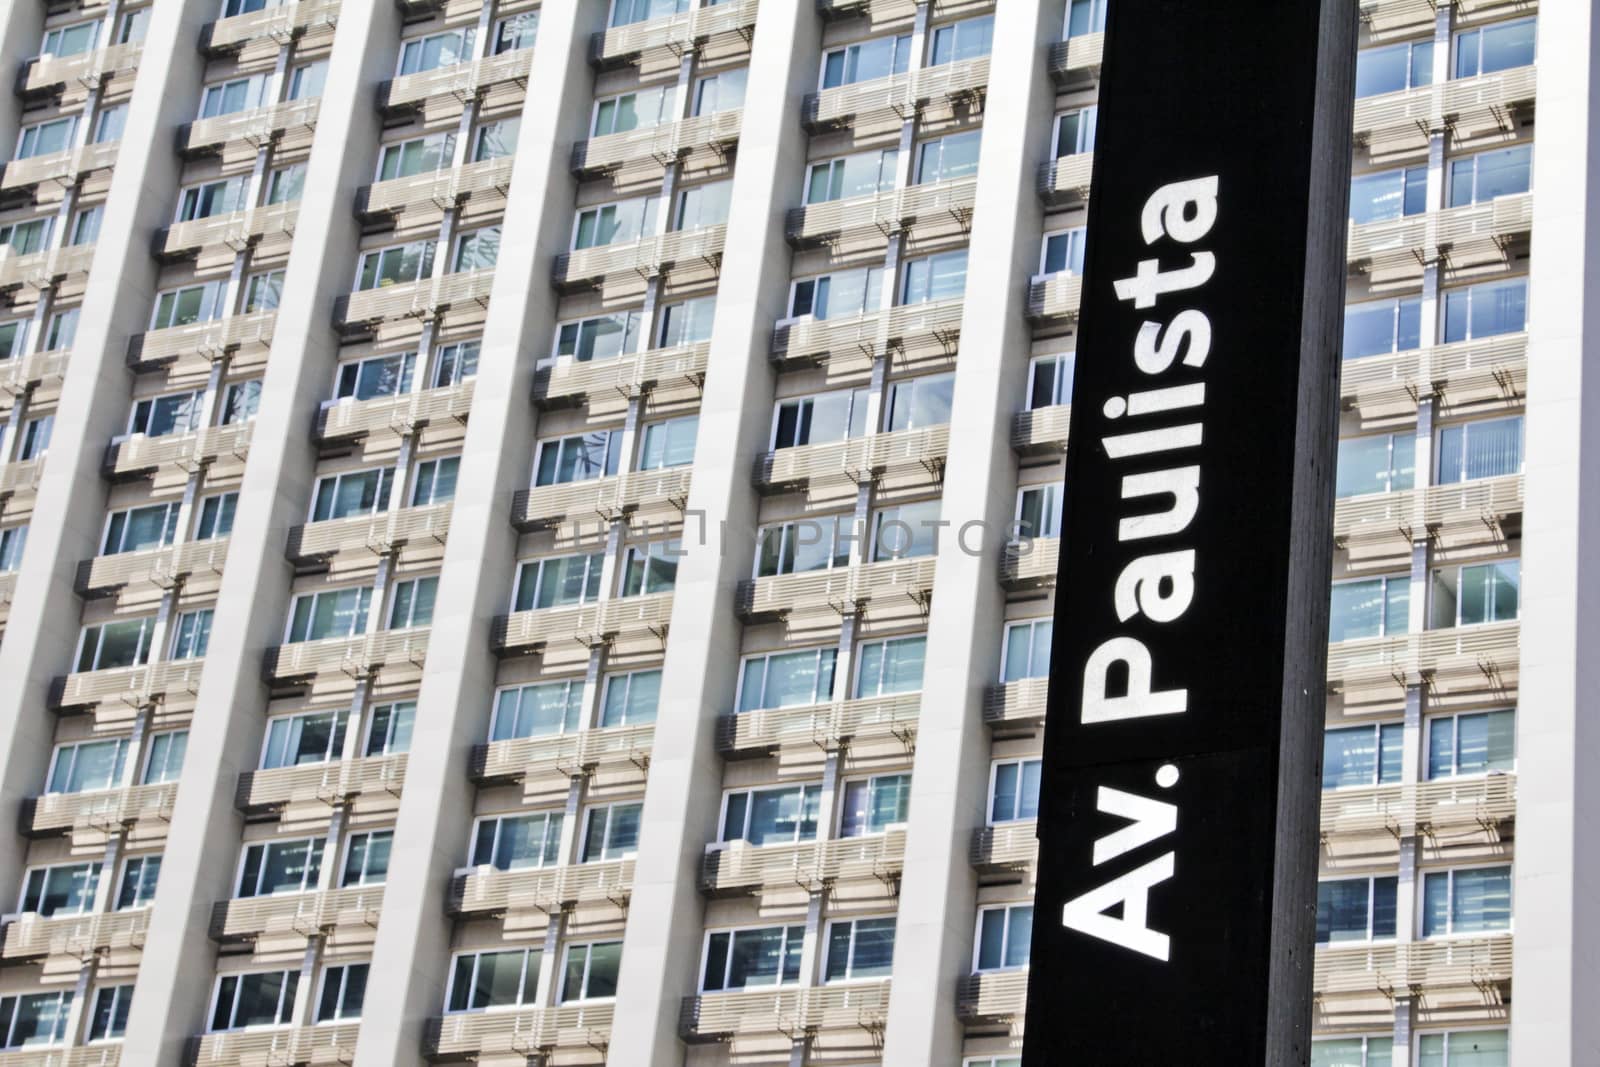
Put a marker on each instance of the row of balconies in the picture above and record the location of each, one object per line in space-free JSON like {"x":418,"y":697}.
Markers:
{"x":41,"y":372}
{"x":909,"y":331}
{"x":82,"y":936}
{"x":402,"y":414}
{"x":676,"y":35}
{"x":897,"y":98}
{"x":785,"y":1010}
{"x":194,"y":565}
{"x":486,"y":891}
{"x":65,"y":168}
{"x":1041,"y":431}
{"x":1490,"y":368}
{"x":74,"y":76}
{"x":261,"y":33}
{"x":1408,"y":968}
{"x":564,"y":755}
{"x":378,"y":778}
{"x":607,"y":383}
{"x":1053,"y":299}
{"x":1075,"y":62}
{"x":1064,"y":182}
{"x":811,"y":865}
{"x":481,"y":184}
{"x":875,"y":588}
{"x":187,"y":352}
{"x":66,"y":266}
{"x":1472,"y":235}
{"x":903,"y":457}
{"x":116,"y":693}
{"x":138,"y":455}
{"x":825,"y":726}
{"x":659,"y":145}
{"x":525,"y":1033}
{"x":418,"y":301}
{"x":101,"y":813}
{"x":926,"y":212}
{"x":605,"y":499}
{"x":295,"y":915}
{"x":880,"y":11}
{"x":1430,"y":808}
{"x":620,"y":619}
{"x":1487,"y":511}
{"x":686,"y":254}
{"x":382,"y":534}
{"x":268,"y":230}
{"x":1461,"y":658}
{"x":441,"y":93}
{"x":1402,"y":122}
{"x":361,"y":656}
{"x":289,"y":126}
{"x":99,"y":1055}
{"x":323,"y":1045}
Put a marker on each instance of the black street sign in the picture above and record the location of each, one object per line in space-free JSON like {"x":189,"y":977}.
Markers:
{"x":1175,"y":905}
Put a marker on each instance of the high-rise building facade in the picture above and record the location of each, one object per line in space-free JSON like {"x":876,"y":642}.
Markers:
{"x":528,"y":531}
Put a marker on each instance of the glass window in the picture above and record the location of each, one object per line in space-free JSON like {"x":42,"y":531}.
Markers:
{"x":212,"y":198}
{"x":1488,"y":448}
{"x":331,"y":614}
{"x":30,"y":1020}
{"x":115,"y":644}
{"x":751,"y":959}
{"x":1369,"y":607}
{"x":804,"y":545}
{"x":591,"y":971}
{"x":1050,"y":381}
{"x":1074,"y":132}
{"x":515,"y":842}
{"x":627,"y":12}
{"x":396,"y":266}
{"x":704,"y":205}
{"x":537,"y":710}
{"x":482,"y":980}
{"x":819,"y":419}
{"x":343,"y":990}
{"x":1062,"y":252}
{"x":604,"y":337}
{"x":1389,"y":194}
{"x":419,"y":155}
{"x":610,"y":832}
{"x":1014,"y":790}
{"x":478,"y":250}
{"x":110,"y":124}
{"x":877,"y":58}
{"x":241,"y":401}
{"x":274,"y":867}
{"x":192,"y":303}
{"x":669,"y":443}
{"x":579,"y":458}
{"x":28,"y":236}
{"x":436,"y":481}
{"x":967,"y":39}
{"x":295,"y":740}
{"x":948,"y":158}
{"x":36,"y":437}
{"x":1003,"y":938}
{"x":165,"y":761}
{"x":918,"y":402}
{"x":264,"y":998}
{"x":65,"y":889}
{"x":1382,"y":327}
{"x":366,"y":861}
{"x":1085,"y":16}
{"x":87,"y":765}
{"x":1356,"y":909}
{"x":1473,"y":900}
{"x":651,"y":568}
{"x":286,"y":184}
{"x":1472,"y":743}
{"x":617,"y":223}
{"x":13,"y":338}
{"x":47,"y":138}
{"x":231,"y":97}
{"x":863,"y":174}
{"x":1039,"y":511}
{"x":413,"y":603}
{"x":436,"y":50}
{"x":1027,"y":650}
{"x":138,"y":529}
{"x":1353,"y":1052}
{"x":86,"y":227}
{"x":906,"y":531}
{"x":892,"y":666}
{"x":860,"y":948}
{"x":723,"y":91}
{"x":12,"y":541}
{"x":340,"y":496}
{"x":1483,"y":592}
{"x":162,"y":415}
{"x":630,"y":699}
{"x":938,"y":277}
{"x":456,"y":364}
{"x":787,"y":679}
{"x":518,"y":31}
{"x":71,"y":40}
{"x":263,"y":292}
{"x":193,"y":634}
{"x":1486,"y":310}
{"x":642,"y":109}
{"x":873,"y":805}
{"x":63,"y":329}
{"x":841,"y":294}
{"x":365,"y":379}
{"x":557,"y":581}
{"x":1479,"y":178}
{"x":1464,"y":1048}
{"x":1383,"y":463}
{"x":779,"y":816}
{"x":687,"y":322}
{"x":139,"y":876}
{"x":1362,"y":755}
{"x":1393,"y":68}
{"x":1499,"y":47}
{"x":111,"y":1006}
{"x":389,"y":733}
{"x":496,"y":140}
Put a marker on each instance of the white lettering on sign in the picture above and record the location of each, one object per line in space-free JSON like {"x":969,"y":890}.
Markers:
{"x":1119,"y":675}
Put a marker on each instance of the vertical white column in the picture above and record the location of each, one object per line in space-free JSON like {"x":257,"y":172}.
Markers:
{"x":938,"y":895}
{"x":175,"y":982}
{"x":1556,"y":970}
{"x":666,"y":913}
{"x":411,"y":954}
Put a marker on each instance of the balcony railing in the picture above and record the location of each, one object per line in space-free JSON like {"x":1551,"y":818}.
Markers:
{"x":680,"y":251}
{"x":167,"y":683}
{"x":1064,"y":182}
{"x":623,"y":377}
{"x":825,"y":726}
{"x":360,"y":656}
{"x":937,"y":209}
{"x":443,"y":91}
{"x":271,"y":226}
{"x":1030,"y":564}
{"x":838,"y":590}
{"x":914,"y":455}
{"x":1469,"y":107}
{"x":56,"y":1056}
{"x":40,"y":270}
{"x":675,"y":34}
{"x":98,"y":813}
{"x":331,"y":783}
{"x":566,"y":755}
{"x":325,"y":1044}
{"x":295,"y":914}
{"x":377,"y":535}
{"x":66,"y":168}
{"x":898,"y":97}
{"x":1473,"y":234}
{"x":1479,"y":512}
{"x":290,"y":125}
{"x":1404,"y":18}
{"x":993,"y":997}
{"x":1486,"y":368}
{"x":812,"y":865}
{"x":1042,"y":431}
{"x":526,"y":1032}
{"x":910,"y":331}
{"x":1054,"y":298}
{"x":617,"y":619}
{"x":657,"y":145}
{"x":138,"y":454}
{"x":1020,"y":703}
{"x":194,"y":347}
{"x":487,"y":180}
{"x":604,"y":499}
{"x":270,"y":28}
{"x":1008,"y":848}
{"x":486,"y":891}
{"x":1412,"y":967}
{"x":343,"y":420}
{"x":18,"y":481}
{"x":1476,"y":657}
{"x":40,"y":371}
{"x":32,"y":936}
{"x":1435,"y":808}
{"x":161,"y":568}
{"x":1076,"y":61}
{"x":84,"y":71}
{"x":417,"y":301}
{"x":895,"y":10}
{"x":785,"y":1010}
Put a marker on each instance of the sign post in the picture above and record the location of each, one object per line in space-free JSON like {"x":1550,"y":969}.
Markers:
{"x":1176,"y":897}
